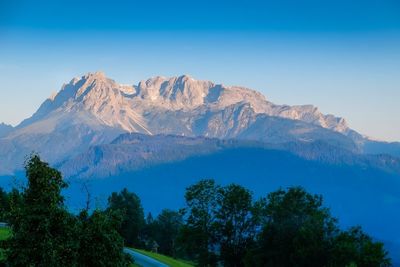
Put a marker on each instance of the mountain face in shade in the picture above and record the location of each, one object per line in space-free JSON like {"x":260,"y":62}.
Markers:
{"x":94,"y":110}
{"x":132,"y":152}
{"x":5,"y":129}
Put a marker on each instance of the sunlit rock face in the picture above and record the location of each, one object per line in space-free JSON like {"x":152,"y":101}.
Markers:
{"x":94,"y":109}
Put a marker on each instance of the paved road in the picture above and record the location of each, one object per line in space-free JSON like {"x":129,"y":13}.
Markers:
{"x":144,"y":260}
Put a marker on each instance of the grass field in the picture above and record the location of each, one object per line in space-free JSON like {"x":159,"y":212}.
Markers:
{"x":165,"y":259}
{"x":4,"y":234}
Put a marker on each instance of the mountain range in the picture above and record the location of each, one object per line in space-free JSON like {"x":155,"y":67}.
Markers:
{"x":93,"y":110}
{"x":163,"y":134}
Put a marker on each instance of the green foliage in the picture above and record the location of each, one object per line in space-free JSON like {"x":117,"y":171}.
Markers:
{"x":100,"y":244}
{"x":357,"y":248}
{"x":288,"y":228}
{"x":129,"y":205}
{"x":4,"y":205}
{"x":299,"y":231}
{"x":237,"y":219}
{"x":198,"y":236}
{"x":149,"y":231}
{"x":5,"y":233}
{"x":167,"y":228}
{"x":219,"y":217}
{"x":44,"y":233}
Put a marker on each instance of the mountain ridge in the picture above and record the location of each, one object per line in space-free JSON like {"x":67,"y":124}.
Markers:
{"x":5,"y":129}
{"x":93,"y":109}
{"x":175,"y":93}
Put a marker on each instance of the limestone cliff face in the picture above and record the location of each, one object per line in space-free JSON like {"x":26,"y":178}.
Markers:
{"x":93,"y":109}
{"x":130,"y":107}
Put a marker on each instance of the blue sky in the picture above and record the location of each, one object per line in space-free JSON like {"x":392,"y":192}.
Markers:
{"x":343,"y":56}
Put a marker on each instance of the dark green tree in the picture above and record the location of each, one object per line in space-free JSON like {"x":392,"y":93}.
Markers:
{"x":149,"y":231}
{"x":131,"y":209}
{"x":44,"y":233}
{"x":237,"y":222}
{"x":298,"y":230}
{"x":15,"y":201}
{"x":197,"y":235}
{"x":4,"y":205}
{"x":100,"y":242}
{"x":167,"y":228}
{"x":354,"y":247}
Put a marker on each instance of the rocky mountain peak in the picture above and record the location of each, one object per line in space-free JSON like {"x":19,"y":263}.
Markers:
{"x":175,"y":92}
{"x":96,"y":75}
{"x":79,"y":86}
{"x":128,"y":107}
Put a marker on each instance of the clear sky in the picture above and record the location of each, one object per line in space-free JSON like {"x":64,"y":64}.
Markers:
{"x":343,"y":56}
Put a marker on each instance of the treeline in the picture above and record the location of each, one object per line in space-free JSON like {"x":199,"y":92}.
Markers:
{"x":45,"y":234}
{"x":224,"y":225}
{"x":218,"y":226}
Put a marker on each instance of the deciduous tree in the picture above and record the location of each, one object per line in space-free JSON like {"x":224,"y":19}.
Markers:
{"x":129,"y":205}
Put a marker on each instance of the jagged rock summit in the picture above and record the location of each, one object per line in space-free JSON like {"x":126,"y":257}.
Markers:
{"x":126,"y":106}
{"x":94,"y":109}
{"x":165,"y":133}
